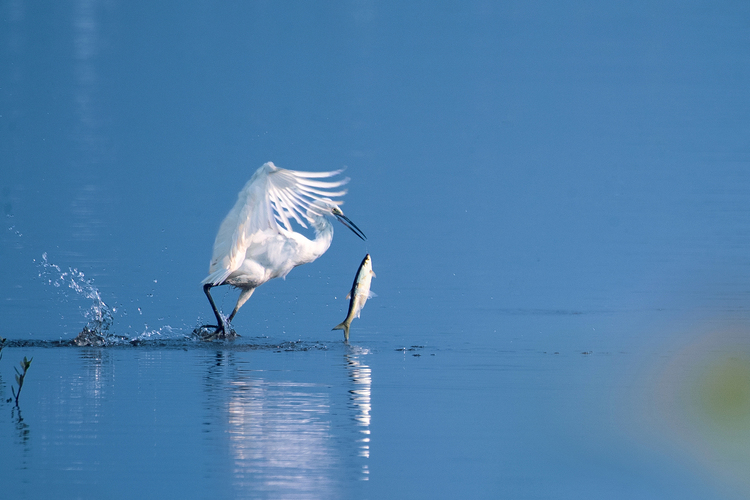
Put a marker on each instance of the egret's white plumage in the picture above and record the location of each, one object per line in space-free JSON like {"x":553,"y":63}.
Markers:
{"x":256,"y":242}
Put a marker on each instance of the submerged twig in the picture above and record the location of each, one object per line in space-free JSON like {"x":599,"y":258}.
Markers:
{"x":25,"y":364}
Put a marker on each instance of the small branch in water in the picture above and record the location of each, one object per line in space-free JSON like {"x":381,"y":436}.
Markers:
{"x":25,"y":364}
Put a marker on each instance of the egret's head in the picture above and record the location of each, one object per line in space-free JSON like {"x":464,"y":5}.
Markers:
{"x":326,"y":206}
{"x":320,"y":207}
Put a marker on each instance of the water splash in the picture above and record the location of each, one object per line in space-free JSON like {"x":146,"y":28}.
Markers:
{"x":165,"y":332}
{"x":99,"y":315}
{"x":210,"y":332}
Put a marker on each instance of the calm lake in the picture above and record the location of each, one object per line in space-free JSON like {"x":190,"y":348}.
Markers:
{"x":556,"y":203}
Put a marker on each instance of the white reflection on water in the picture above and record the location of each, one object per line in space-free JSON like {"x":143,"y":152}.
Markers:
{"x":74,"y":406}
{"x":290,"y":438}
{"x":87,"y":43}
{"x":89,"y":131}
{"x":279,"y":438}
{"x":99,"y":374}
{"x":361,"y":403}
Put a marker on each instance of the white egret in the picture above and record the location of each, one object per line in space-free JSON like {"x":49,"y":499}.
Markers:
{"x":256,"y":242}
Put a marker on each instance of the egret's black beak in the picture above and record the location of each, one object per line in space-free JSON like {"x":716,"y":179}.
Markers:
{"x":345,"y":221}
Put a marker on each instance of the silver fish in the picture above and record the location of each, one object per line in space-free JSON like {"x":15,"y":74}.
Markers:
{"x":359,"y":294}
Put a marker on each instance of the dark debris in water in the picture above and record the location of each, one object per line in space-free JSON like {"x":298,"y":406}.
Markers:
{"x":186,"y":343}
{"x":300,"y":346}
{"x":412,"y":348}
{"x":585,"y":353}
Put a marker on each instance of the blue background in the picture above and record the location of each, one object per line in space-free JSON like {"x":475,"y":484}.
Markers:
{"x":533,"y":177}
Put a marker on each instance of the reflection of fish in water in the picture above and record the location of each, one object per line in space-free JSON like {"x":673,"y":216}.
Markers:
{"x":359,"y":294}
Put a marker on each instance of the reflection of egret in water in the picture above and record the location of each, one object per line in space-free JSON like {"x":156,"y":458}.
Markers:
{"x":279,"y":434}
{"x":360,"y":402}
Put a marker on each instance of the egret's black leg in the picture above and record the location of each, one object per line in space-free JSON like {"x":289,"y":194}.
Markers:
{"x":219,"y":320}
{"x":244,"y":295}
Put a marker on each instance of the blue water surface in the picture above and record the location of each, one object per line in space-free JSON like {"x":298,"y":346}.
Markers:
{"x":555,"y":199}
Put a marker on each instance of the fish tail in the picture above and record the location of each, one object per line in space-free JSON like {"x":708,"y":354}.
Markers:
{"x":343,"y":326}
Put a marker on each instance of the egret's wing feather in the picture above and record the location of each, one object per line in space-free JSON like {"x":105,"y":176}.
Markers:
{"x":311,"y":191}
{"x":316,"y":175}
{"x":288,"y":206}
{"x":264,"y":207}
{"x":322,"y":184}
{"x":280,"y":211}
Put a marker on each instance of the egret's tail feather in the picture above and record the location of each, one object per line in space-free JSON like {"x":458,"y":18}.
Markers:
{"x":343,"y":326}
{"x":216,"y":278}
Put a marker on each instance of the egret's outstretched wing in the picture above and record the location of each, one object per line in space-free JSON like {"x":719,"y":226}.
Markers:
{"x":264,"y":208}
